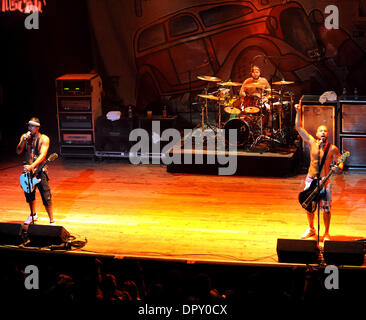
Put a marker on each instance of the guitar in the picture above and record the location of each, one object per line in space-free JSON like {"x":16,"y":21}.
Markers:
{"x":29,"y":180}
{"x":308,"y":197}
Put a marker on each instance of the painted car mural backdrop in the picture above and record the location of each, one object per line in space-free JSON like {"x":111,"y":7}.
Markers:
{"x":225,"y":39}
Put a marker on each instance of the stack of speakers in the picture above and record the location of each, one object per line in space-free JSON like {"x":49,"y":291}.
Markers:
{"x":78,"y":107}
{"x":35,"y":235}
{"x":346,"y":122}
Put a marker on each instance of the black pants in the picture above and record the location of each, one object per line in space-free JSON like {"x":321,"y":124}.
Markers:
{"x":44,"y":190}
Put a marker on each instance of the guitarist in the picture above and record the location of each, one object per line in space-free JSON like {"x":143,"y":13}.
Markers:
{"x":318,"y":147}
{"x":36,"y":146}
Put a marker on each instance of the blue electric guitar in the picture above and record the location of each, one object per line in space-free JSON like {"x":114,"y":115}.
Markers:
{"x":29,"y":180}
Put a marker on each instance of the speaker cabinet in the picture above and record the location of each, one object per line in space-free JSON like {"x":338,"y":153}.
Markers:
{"x":11,"y":233}
{"x":78,"y":98}
{"x":297,"y":251}
{"x":315,"y":114}
{"x":353,"y":131}
{"x":357,"y":148}
{"x":344,"y":252}
{"x":43,"y":235}
{"x":318,"y":115}
{"x":353,"y":118}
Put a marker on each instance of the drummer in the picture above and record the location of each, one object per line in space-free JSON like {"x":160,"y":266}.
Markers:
{"x":257,"y":84}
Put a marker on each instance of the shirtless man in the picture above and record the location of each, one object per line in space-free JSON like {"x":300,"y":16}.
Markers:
{"x":255,"y":79}
{"x":36,"y":146}
{"x":317,"y":147}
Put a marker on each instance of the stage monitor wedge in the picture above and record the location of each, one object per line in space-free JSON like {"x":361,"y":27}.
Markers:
{"x":297,"y":251}
{"x":12,"y":233}
{"x":44,"y":235}
{"x":350,"y":253}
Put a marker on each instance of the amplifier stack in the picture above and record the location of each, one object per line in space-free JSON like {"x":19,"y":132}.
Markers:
{"x":346,"y":122}
{"x":78,"y":107}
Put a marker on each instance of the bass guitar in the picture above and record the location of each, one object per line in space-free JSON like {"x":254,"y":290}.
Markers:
{"x":308,"y":198}
{"x":29,"y":180}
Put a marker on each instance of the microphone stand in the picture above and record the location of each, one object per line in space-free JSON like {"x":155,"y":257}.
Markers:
{"x":29,"y":177}
{"x":190,"y":85}
{"x":318,"y":195}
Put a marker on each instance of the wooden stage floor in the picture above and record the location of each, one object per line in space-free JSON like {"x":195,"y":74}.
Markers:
{"x":143,"y":211}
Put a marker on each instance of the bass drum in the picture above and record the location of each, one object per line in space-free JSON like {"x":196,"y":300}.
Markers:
{"x":243,"y":126}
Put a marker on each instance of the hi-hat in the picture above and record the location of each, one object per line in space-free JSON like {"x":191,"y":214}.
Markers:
{"x":229,"y":83}
{"x":283,"y":82}
{"x":209,"y":78}
{"x":209,"y":96}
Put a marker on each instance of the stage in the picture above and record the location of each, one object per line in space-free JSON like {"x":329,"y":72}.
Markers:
{"x":144,"y":211}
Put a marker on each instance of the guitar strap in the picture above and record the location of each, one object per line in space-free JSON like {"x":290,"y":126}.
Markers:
{"x":36,"y":151}
{"x":324,"y":157}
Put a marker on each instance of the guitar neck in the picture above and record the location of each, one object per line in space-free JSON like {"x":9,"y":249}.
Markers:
{"x":325,"y":179}
{"x":41,"y":167}
{"x":319,"y":187}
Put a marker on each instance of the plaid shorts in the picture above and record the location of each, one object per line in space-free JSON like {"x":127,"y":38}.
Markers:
{"x":325,"y":194}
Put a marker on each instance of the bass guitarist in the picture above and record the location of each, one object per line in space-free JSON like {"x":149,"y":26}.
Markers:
{"x":319,"y":147}
{"x":36,"y":146}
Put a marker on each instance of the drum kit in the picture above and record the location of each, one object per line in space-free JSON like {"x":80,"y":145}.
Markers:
{"x":256,"y":118}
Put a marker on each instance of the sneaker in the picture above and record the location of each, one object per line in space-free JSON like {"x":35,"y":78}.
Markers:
{"x":326,"y":237}
{"x":53,"y":223}
{"x":309,"y":232}
{"x":29,"y":219}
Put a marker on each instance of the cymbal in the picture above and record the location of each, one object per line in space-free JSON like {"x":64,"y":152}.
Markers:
{"x":232,"y":110}
{"x":273,"y":96}
{"x":209,"y":78}
{"x":209,"y":96}
{"x":251,"y":110}
{"x":271,"y":90}
{"x":276,"y":94}
{"x":254,"y":85}
{"x":283,"y":82}
{"x":229,"y":83}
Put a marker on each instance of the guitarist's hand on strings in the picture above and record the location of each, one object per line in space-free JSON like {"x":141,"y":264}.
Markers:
{"x":335,"y":168}
{"x":27,"y":168}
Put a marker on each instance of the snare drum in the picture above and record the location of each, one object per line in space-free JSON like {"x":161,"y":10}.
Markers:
{"x":251,"y":104}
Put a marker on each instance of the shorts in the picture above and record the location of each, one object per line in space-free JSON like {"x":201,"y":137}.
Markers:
{"x":325,"y":194}
{"x":44,"y":190}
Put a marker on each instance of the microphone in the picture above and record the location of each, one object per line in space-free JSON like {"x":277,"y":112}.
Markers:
{"x":28,"y":135}
{"x":322,"y":139}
